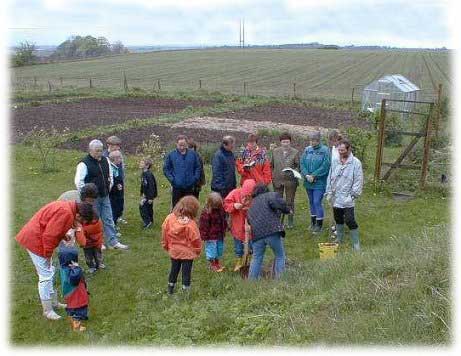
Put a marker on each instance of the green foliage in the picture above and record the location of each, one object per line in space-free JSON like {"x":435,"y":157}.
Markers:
{"x":207,"y":152}
{"x":153,"y":149}
{"x":24,"y":54}
{"x":87,"y":46}
{"x":360,"y":140}
{"x":269,"y":132}
{"x":393,"y":124}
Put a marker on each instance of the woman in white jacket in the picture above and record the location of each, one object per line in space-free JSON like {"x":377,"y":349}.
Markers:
{"x":344,"y":186}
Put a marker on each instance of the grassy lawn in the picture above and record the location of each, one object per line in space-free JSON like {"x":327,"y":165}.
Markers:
{"x":395,"y":292}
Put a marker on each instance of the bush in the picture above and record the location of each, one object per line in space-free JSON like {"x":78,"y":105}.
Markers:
{"x":153,"y":149}
{"x":207,"y":152}
{"x":360,"y":140}
{"x":45,"y":142}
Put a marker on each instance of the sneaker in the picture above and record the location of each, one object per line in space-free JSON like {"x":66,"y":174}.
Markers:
{"x":123,"y":221}
{"x":51,"y":315}
{"x":219,"y":267}
{"x":120,"y":246}
{"x":91,"y":270}
{"x":118,"y":234}
{"x":102,"y":266}
{"x":147,"y":226}
{"x":214,"y":266}
{"x":170,"y":288}
{"x":103,"y":247}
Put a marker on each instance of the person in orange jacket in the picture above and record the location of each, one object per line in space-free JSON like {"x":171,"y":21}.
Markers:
{"x":236,"y":204}
{"x":43,"y":233}
{"x":94,"y":236}
{"x":253,"y":163}
{"x":181,"y":239}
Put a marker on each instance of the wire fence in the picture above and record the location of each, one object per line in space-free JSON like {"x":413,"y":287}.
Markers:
{"x":239,"y":87}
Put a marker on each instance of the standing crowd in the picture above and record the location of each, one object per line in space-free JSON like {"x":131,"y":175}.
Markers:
{"x":255,"y":216}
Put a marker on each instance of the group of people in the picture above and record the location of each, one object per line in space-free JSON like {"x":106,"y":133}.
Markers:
{"x":252,"y":213}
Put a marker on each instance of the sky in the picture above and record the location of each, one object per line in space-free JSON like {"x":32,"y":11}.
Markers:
{"x":415,"y":23}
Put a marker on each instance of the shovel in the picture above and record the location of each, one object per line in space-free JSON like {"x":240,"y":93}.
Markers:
{"x":246,"y":258}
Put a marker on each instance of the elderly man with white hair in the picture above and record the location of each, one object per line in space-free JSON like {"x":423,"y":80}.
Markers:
{"x":95,"y":168}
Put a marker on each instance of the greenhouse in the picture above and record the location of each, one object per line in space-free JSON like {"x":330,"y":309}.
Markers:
{"x":394,"y":86}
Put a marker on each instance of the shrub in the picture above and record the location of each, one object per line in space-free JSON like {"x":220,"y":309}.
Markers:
{"x":360,"y":140}
{"x":152,"y":148}
{"x":207,"y":152}
{"x":45,"y":142}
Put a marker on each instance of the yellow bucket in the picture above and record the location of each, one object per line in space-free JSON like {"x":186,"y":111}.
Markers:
{"x":328,"y":250}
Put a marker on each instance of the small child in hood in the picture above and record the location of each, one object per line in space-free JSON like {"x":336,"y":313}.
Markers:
{"x":94,"y":237}
{"x":148,"y":193}
{"x":181,"y":239}
{"x":73,"y":287}
{"x":236,"y":204}
{"x":213,"y":226}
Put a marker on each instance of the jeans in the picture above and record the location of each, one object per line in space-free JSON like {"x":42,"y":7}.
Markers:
{"x":274,"y":241}
{"x":315,"y":202}
{"x":214,"y":249}
{"x":176,"y":266}
{"x":103,"y":207}
{"x":45,"y":271}
{"x":239,"y":247}
{"x":93,"y":257}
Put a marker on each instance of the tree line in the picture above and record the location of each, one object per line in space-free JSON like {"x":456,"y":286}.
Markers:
{"x":76,"y":47}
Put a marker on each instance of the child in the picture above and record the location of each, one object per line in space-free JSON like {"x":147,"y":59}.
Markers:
{"x":73,"y":287}
{"x":114,"y":143}
{"x":148,"y":193}
{"x":93,"y":246}
{"x":116,"y":194}
{"x":237,"y":204}
{"x":213,"y":226}
{"x":181,"y":239}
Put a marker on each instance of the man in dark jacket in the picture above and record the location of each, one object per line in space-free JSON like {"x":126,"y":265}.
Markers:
{"x":223,"y":168}
{"x":264,"y":219}
{"x":182,"y":169}
{"x":94,"y":168}
{"x":202,"y":181}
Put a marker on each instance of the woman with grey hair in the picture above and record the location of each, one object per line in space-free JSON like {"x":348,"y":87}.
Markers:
{"x":315,"y":165}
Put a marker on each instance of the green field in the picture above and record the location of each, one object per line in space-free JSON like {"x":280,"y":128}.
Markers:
{"x":317,"y":73}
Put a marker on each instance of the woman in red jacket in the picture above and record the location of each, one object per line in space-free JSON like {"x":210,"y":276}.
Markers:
{"x":42,"y":234}
{"x":253,"y":163}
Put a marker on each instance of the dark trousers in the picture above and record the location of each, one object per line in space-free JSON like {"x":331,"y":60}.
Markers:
{"x":345,"y":215}
{"x":176,"y":266}
{"x":117,"y":204}
{"x":93,"y":257}
{"x":179,"y":193}
{"x":147,"y":212}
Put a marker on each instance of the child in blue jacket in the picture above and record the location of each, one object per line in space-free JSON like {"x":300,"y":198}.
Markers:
{"x":73,"y":287}
{"x":315,"y":165}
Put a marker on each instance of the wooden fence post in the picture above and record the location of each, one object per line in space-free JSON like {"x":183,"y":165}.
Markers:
{"x":352,"y":96}
{"x":379,"y":150}
{"x":91,"y":84}
{"x":60,"y":80}
{"x":35,"y":82}
{"x":200,"y":83}
{"x":244,"y":88}
{"x":438,"y":114}
{"x":294,"y":90}
{"x":125,"y":83}
{"x":158,"y":85}
{"x":427,"y":146}
{"x":49,"y":87}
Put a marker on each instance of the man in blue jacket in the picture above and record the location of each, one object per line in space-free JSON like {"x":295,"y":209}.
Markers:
{"x":182,"y":169}
{"x":223,"y":168}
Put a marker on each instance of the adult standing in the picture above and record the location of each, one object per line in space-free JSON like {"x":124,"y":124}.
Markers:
{"x":202,"y":180}
{"x":182,"y":169}
{"x":94,"y":168}
{"x":253,"y":162}
{"x":344,"y":186}
{"x":315,"y":165}
{"x":40,"y":237}
{"x":283,"y":157}
{"x":267,"y":230}
{"x":223,"y":168}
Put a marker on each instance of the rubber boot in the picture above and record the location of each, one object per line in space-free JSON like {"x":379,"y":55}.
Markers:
{"x":56,"y":304}
{"x":290,"y":224}
{"x":76,"y":325}
{"x":355,"y":240}
{"x":48,"y":311}
{"x":318,"y":226}
{"x":238,"y":264}
{"x":313,"y":222}
{"x":170,"y":288}
{"x":340,"y":233}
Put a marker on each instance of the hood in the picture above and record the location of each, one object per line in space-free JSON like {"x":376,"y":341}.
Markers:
{"x":178,"y":224}
{"x":67,"y":255}
{"x":248,"y":186}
